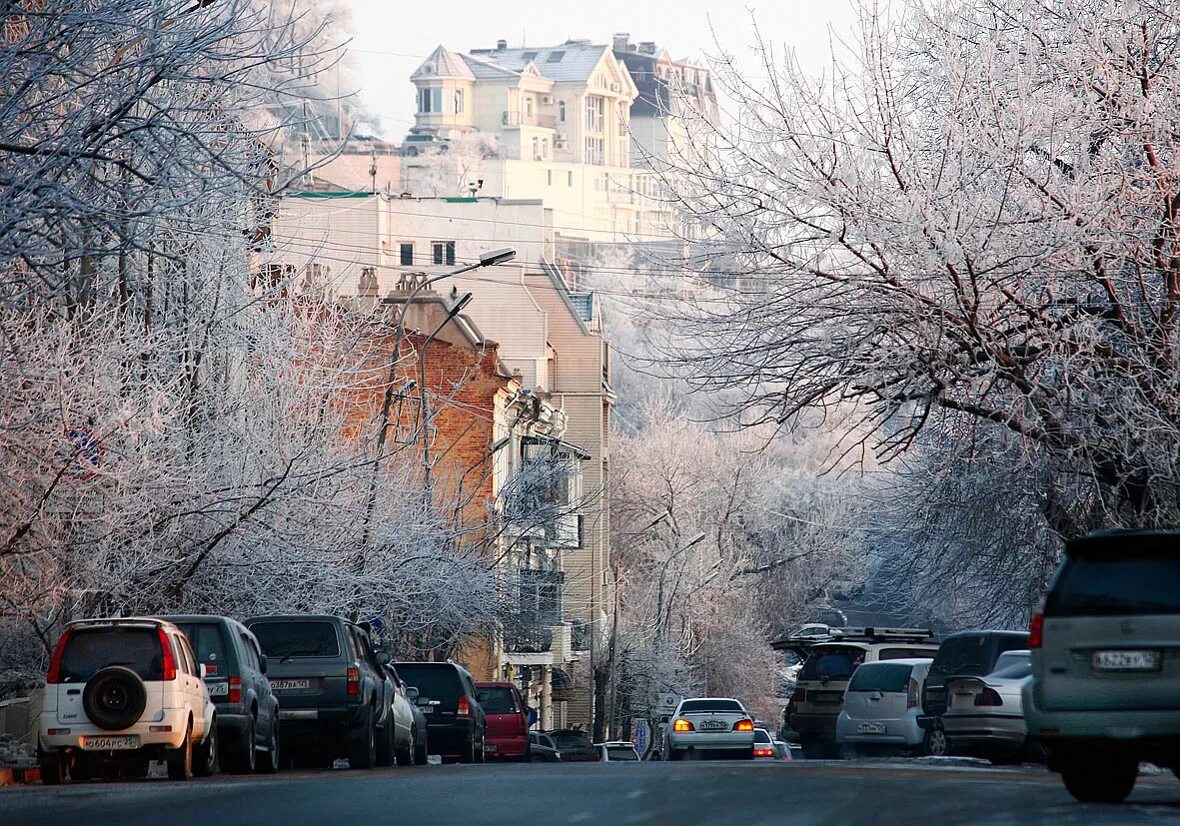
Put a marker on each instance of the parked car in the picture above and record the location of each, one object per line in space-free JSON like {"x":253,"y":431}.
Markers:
{"x":764,"y":748}
{"x":617,"y":751}
{"x":120,"y":693}
{"x":235,"y":676}
{"x":717,"y":726}
{"x":420,"y":739}
{"x":1105,"y":690}
{"x":542,"y":748}
{"x":783,"y":749}
{"x":507,"y":719}
{"x":965,"y":654}
{"x":575,"y":746}
{"x":819,"y":691}
{"x":881,"y":707}
{"x":446,"y":694}
{"x":334,"y":695}
{"x":985,"y":715}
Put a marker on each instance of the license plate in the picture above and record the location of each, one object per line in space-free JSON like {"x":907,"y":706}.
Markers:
{"x":218,"y":689}
{"x":491,"y":748}
{"x":713,"y":725}
{"x":426,"y":709}
{"x":870,"y":728}
{"x":1126,"y":661}
{"x":290,"y":685}
{"x":110,"y":742}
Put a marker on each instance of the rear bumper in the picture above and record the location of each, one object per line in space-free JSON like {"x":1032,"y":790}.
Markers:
{"x":824,"y":724}
{"x":176,"y":718}
{"x":503,"y":748}
{"x":898,"y":732}
{"x":321,"y":722}
{"x":701,"y":741}
{"x":985,"y":729}
{"x":1115,"y":725}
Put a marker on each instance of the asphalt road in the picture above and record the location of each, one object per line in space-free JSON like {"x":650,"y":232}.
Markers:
{"x":801,"y":793}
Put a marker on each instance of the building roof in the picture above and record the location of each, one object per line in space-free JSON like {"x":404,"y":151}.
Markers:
{"x":573,"y":61}
{"x":443,"y":63}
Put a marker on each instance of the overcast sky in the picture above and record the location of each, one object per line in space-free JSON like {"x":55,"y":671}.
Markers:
{"x":392,"y":38}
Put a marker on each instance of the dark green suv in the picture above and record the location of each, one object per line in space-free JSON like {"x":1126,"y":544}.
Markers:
{"x":1105,"y":692}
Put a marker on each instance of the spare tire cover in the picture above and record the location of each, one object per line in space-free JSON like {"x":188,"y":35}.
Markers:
{"x":114,"y":698}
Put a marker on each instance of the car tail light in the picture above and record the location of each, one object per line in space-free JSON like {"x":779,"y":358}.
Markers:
{"x":682,"y":725}
{"x":911,"y":697}
{"x":800,"y":695}
{"x":464,"y":707}
{"x":169,"y":669}
{"x":1036,"y":630}
{"x":235,"y":690}
{"x":743,"y":725}
{"x":54,"y":673}
{"x":988,"y":697}
{"x":159,"y":729}
{"x":353,"y":678}
{"x":764,"y":752}
{"x":53,"y":731}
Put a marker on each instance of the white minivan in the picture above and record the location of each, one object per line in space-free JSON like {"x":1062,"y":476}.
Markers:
{"x":881,"y":707}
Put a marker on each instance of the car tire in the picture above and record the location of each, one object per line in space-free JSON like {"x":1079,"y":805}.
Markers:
{"x":1094,"y":780}
{"x":536,"y":758}
{"x":81,"y":768}
{"x":53,"y":769}
{"x":1176,"y":772}
{"x":386,"y":748}
{"x":205,"y":756}
{"x":421,"y":748}
{"x":363,"y":754}
{"x":407,"y":756}
{"x":934,"y":743}
{"x":243,"y":759}
{"x":180,"y":761}
{"x":481,"y":755}
{"x":269,"y":761}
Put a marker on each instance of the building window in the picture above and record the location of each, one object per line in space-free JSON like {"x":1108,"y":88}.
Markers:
{"x":595,"y":113}
{"x":569,"y":178}
{"x":536,"y":149}
{"x":444,"y":252}
{"x":555,"y":57}
{"x":528,"y":106}
{"x":458,"y":101}
{"x":550,"y":177}
{"x":561,"y":111}
{"x":406,"y":257}
{"x":430,"y":100}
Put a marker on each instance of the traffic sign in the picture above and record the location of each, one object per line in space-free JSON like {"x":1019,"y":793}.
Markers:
{"x":641,"y":736}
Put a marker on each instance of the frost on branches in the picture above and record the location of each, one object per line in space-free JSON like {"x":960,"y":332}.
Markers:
{"x":968,"y":229}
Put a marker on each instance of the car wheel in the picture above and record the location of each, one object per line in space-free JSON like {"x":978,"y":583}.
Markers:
{"x":407,"y":756}
{"x":386,"y":748}
{"x":242,"y":760}
{"x":180,"y":761}
{"x":481,"y":755}
{"x":536,"y":758}
{"x":53,"y":769}
{"x":421,"y":748}
{"x":935,"y":744}
{"x":1176,"y":772}
{"x":363,"y":754}
{"x":1099,"y":781}
{"x":268,"y":761}
{"x":81,"y":768}
{"x":205,"y":758}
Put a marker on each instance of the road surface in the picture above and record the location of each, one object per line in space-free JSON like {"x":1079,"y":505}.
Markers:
{"x":800,"y":793}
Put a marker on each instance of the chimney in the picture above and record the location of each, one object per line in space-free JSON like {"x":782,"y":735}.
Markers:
{"x":647,"y":47}
{"x":501,"y":45}
{"x":622,"y":42}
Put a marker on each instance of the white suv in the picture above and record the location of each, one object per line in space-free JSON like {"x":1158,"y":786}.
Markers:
{"x":120,"y":693}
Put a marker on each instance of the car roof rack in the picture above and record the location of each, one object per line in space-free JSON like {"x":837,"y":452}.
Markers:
{"x":875,"y":634}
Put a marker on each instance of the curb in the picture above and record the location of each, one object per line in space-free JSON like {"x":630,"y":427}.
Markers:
{"x":15,"y":777}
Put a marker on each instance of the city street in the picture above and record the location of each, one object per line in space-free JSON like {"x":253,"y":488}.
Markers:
{"x":691,"y":793}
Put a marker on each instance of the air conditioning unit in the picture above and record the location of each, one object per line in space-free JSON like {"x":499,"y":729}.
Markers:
{"x":559,"y":144}
{"x":546,"y":100}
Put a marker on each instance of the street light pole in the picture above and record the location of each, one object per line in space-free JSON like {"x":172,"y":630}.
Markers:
{"x":487,"y":259}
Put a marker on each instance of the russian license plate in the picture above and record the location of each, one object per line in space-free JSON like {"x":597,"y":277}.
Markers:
{"x":713,"y":725}
{"x":426,"y":709}
{"x":826,"y":697}
{"x":110,"y":742}
{"x":870,"y":728}
{"x":218,"y":689}
{"x":491,"y":748}
{"x":290,"y":685}
{"x":1126,"y":660}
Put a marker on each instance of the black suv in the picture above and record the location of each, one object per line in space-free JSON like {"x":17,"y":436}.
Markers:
{"x":235,"y":675}
{"x":334,"y":691}
{"x":446,"y":694}
{"x":965,"y":654}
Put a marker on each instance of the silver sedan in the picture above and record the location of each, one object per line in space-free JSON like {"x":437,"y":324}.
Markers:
{"x":985,"y":715}
{"x":712,"y":726}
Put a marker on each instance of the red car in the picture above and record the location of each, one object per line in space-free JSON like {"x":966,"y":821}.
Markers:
{"x":507,"y":721}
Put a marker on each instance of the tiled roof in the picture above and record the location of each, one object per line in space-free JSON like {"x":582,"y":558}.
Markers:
{"x":443,"y":63}
{"x":484,"y":69}
{"x":572,"y":62}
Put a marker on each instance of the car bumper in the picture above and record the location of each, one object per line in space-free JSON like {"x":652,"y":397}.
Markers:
{"x":327,"y":721}
{"x":814,"y":723}
{"x":176,"y":719}
{"x":985,"y":729}
{"x":232,"y":726}
{"x":1099,"y":724}
{"x":700,"y":741}
{"x":897,"y":732}
{"x":505,"y":748}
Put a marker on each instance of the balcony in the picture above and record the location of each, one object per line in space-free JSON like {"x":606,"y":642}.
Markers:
{"x":517,"y":119}
{"x":528,"y":639}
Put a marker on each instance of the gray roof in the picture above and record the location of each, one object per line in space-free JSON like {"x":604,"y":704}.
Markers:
{"x":443,"y":63}
{"x":486,"y":69}
{"x":572,"y":62}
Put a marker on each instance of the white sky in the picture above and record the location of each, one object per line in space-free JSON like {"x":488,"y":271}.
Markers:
{"x":391,"y":38}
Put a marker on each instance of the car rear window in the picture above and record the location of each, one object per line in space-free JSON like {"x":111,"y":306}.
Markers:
{"x":1016,"y":671}
{"x":761,"y":736}
{"x":705,"y":706}
{"x":906,"y":653}
{"x":621,"y":753}
{"x":208,"y":643}
{"x":496,"y":700}
{"x":887,"y":677}
{"x":572,"y":741}
{"x":297,"y":638}
{"x":90,"y":650}
{"x":962,"y":655}
{"x":1127,"y":584}
{"x":436,"y":681}
{"x":831,"y":663}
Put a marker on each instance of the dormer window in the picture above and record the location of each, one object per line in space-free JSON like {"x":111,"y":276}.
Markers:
{"x":555,"y":57}
{"x":527,"y":56}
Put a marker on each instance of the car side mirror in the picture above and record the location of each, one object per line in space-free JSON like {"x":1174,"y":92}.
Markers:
{"x":383,"y":658}
{"x":412,"y":693}
{"x":262,"y":664}
{"x":202,"y":670}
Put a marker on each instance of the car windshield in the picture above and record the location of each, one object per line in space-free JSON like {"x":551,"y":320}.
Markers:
{"x":296,"y":638}
{"x":208,"y":644}
{"x":1127,"y":584}
{"x":621,"y":753}
{"x":831,"y":663}
{"x":92,"y":649}
{"x":572,"y":740}
{"x":967,"y":654}
{"x":710,"y":706}
{"x":496,"y":700}
{"x":436,"y":681}
{"x":885,"y":677}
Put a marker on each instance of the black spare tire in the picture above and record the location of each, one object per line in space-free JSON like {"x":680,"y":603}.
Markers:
{"x":114,"y":698}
